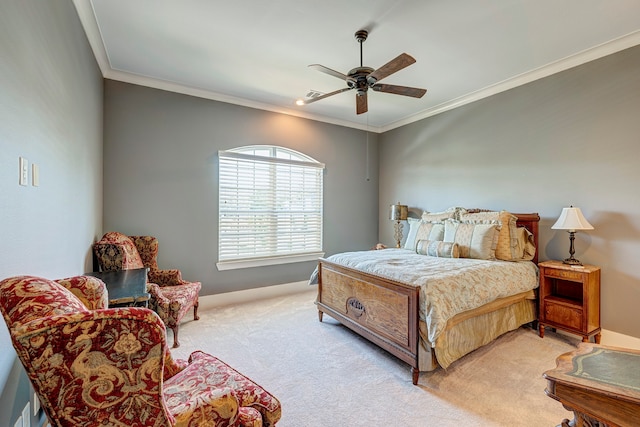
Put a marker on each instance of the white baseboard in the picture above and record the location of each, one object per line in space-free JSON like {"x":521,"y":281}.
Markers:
{"x":610,"y":338}
{"x":239,"y":297}
{"x":616,"y":339}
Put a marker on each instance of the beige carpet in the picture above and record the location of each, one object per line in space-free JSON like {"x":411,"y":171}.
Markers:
{"x":327,"y":376}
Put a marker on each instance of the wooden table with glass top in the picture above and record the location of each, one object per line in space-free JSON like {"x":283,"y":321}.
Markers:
{"x":600,"y":384}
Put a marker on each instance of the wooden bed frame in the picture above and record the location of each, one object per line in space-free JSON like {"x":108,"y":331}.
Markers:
{"x":350,"y":296}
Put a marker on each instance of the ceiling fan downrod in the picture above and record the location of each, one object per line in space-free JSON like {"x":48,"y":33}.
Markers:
{"x":361,"y":36}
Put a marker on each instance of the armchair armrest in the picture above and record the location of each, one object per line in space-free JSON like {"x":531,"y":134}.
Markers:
{"x":90,"y":290}
{"x":173,"y":366}
{"x":193,"y":403}
{"x":159,"y":297}
{"x":166,"y":277}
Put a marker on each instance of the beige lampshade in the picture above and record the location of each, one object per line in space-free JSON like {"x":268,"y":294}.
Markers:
{"x":572,"y":219}
{"x":398,"y":212}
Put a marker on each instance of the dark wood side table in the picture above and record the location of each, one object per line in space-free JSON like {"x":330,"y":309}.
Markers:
{"x":600,"y":384}
{"x":125,"y":287}
{"x":570,"y":299}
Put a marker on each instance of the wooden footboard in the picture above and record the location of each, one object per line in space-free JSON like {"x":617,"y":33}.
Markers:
{"x":381,"y":310}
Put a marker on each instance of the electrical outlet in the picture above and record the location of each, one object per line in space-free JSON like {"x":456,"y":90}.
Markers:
{"x":35,"y":175}
{"x":24,"y":171}
{"x":36,"y":405}
{"x":26,"y":415}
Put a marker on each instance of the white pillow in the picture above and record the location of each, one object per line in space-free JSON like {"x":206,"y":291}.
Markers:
{"x":410,"y":243}
{"x":423,"y":230}
{"x":474,"y":240}
{"x":440,"y":216}
{"x":506,"y":248}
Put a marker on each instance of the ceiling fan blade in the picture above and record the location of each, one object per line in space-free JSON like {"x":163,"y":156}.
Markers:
{"x":361,"y":103}
{"x":398,"y":63}
{"x":400,"y":90}
{"x":329,"y":71}
{"x":326,"y":95}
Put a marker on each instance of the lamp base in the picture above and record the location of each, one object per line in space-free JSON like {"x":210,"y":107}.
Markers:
{"x":397,"y":232}
{"x":571,"y":260}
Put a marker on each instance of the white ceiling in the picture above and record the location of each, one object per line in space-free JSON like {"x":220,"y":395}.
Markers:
{"x":256,"y":52}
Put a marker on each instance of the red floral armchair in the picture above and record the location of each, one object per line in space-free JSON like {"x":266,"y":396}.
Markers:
{"x":92,"y":365}
{"x":171,"y":296}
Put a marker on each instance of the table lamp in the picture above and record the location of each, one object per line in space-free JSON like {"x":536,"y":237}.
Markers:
{"x":571,"y":219}
{"x":398,"y":213}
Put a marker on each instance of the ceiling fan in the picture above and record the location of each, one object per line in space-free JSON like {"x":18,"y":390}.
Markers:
{"x":362,"y":78}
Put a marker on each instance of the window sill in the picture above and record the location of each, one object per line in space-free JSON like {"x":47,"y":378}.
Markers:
{"x":261,"y":262}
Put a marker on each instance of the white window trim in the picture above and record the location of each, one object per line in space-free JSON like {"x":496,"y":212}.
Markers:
{"x":261,"y":262}
{"x":234,"y":155}
{"x":231,"y":264}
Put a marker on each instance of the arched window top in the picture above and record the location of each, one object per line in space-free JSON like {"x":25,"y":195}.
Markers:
{"x":275,"y":152}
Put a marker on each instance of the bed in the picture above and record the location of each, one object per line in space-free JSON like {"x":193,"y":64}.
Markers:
{"x":429,"y":308}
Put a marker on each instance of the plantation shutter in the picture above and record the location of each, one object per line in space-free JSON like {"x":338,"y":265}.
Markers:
{"x":270,"y":207}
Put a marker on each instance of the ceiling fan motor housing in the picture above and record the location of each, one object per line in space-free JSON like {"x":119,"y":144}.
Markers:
{"x":357,"y":79}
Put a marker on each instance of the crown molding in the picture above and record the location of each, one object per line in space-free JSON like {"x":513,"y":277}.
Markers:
{"x":596,"y":52}
{"x":87,"y":17}
{"x":146,"y":81}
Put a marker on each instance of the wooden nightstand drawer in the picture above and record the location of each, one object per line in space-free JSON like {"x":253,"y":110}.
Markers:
{"x":563,"y":274}
{"x":561,"y":314}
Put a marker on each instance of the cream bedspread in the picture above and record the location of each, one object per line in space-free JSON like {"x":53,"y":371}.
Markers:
{"x":448,"y":286}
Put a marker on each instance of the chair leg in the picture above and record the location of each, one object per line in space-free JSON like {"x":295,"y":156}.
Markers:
{"x":176,"y":344}
{"x":195,"y":311}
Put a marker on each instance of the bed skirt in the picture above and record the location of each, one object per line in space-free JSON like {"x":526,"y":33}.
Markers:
{"x":468,"y":331}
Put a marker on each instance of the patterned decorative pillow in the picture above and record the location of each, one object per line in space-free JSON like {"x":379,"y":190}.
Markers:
{"x":438,"y":248}
{"x":423,"y":230}
{"x":476,"y":240}
{"x":430,"y":231}
{"x":507,"y":246}
{"x":526,"y":247}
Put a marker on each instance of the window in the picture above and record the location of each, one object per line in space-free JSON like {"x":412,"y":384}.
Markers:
{"x":270,"y":207}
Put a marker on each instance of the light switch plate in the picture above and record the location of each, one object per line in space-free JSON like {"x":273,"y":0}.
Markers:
{"x":24,"y":171}
{"x":35,"y":175}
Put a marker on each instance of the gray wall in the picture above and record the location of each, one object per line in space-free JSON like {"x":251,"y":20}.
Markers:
{"x":571,"y":138}
{"x":51,"y":114}
{"x":160,"y":178}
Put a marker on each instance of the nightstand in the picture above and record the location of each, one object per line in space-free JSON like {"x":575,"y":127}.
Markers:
{"x":569,"y":299}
